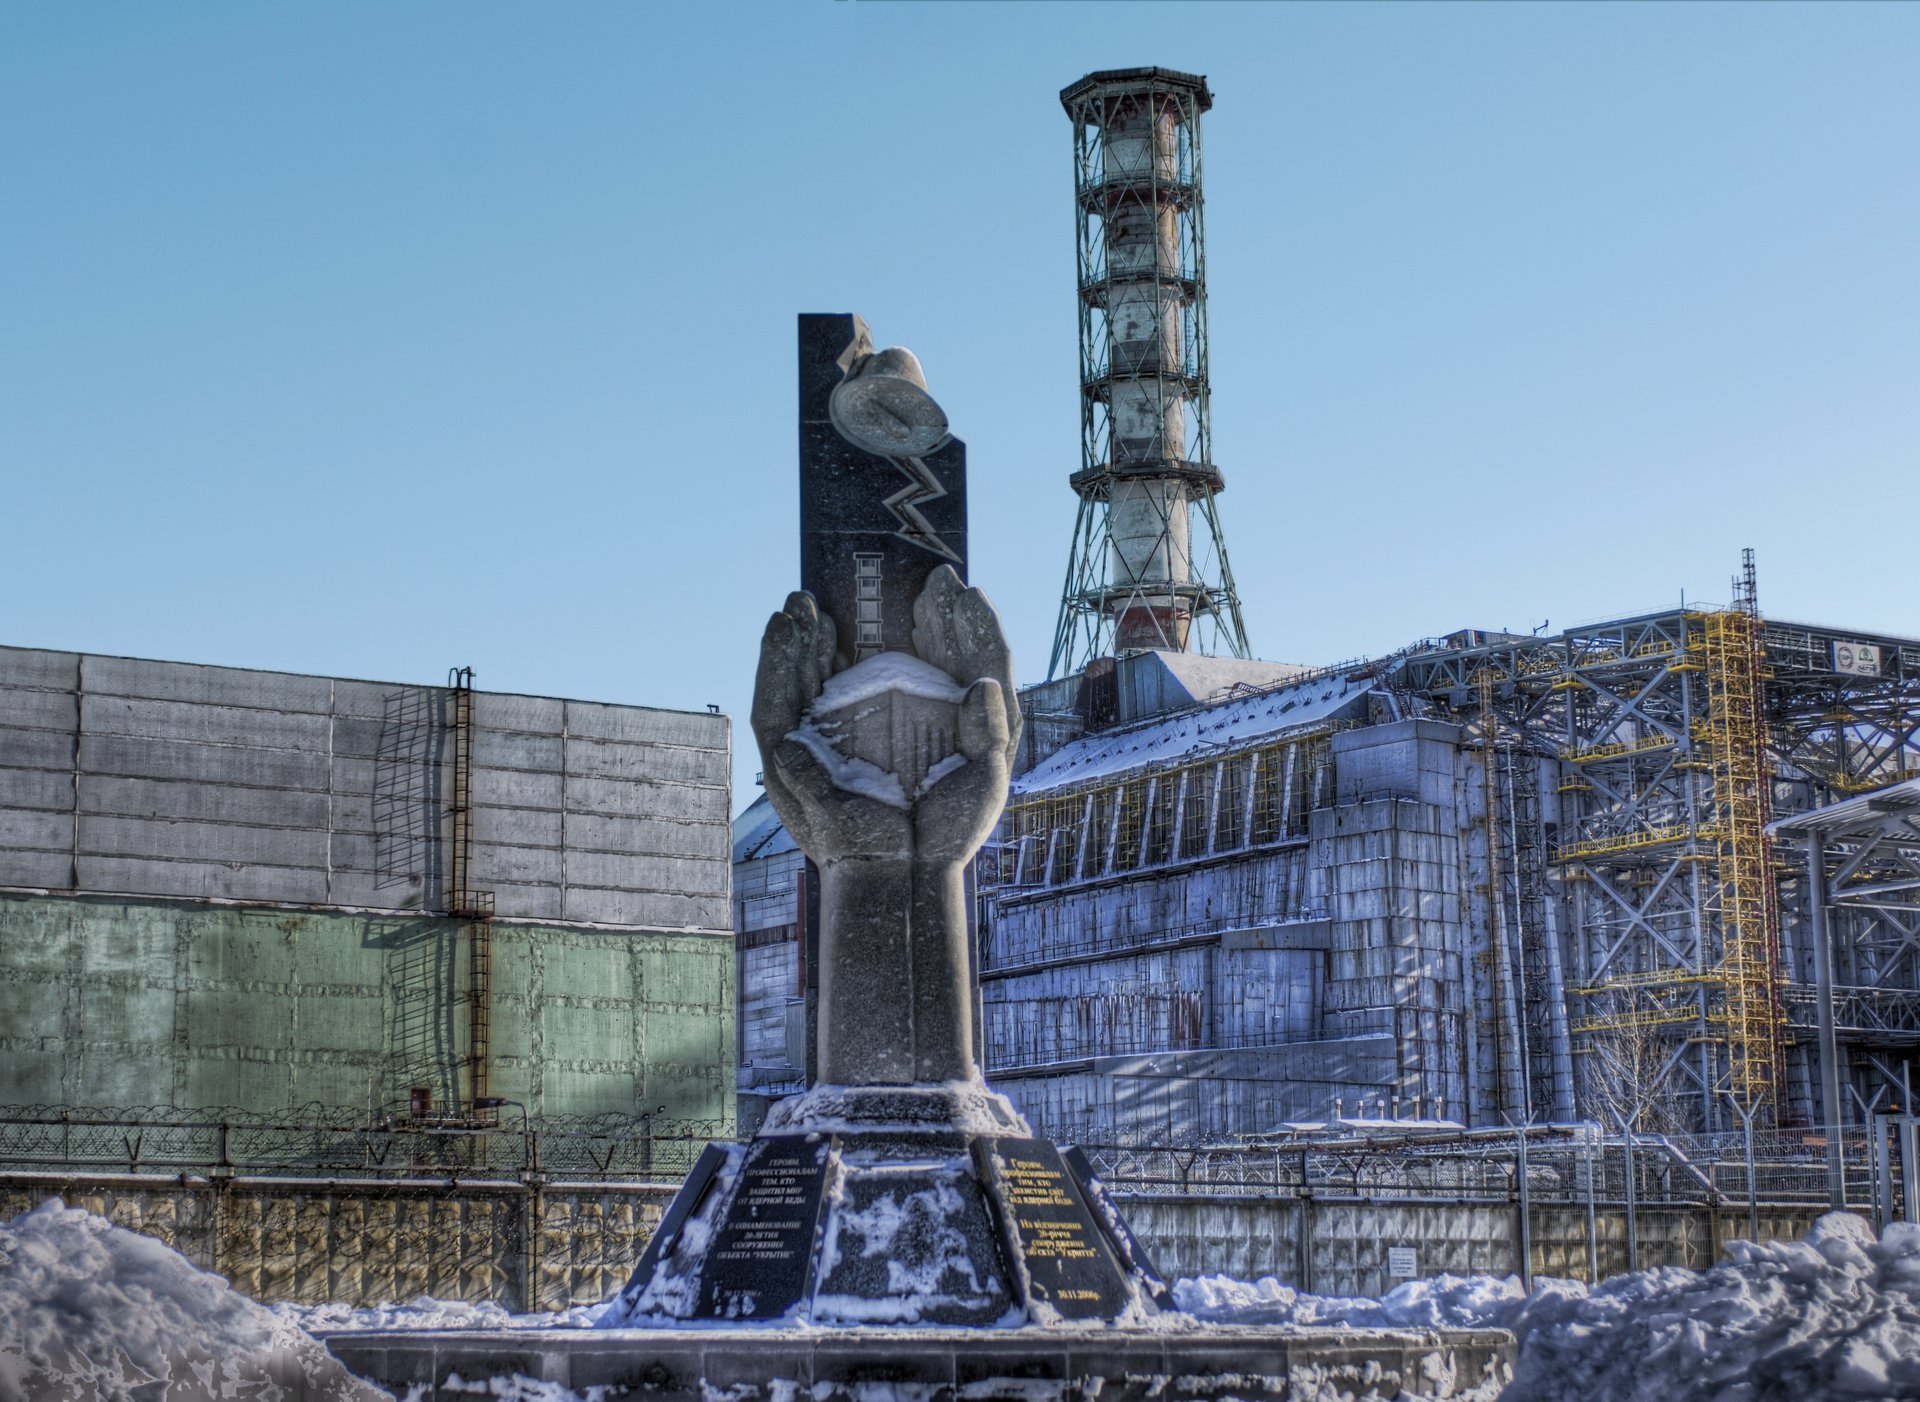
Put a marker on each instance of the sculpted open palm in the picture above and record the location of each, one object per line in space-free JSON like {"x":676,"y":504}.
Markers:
{"x":956,"y":631}
{"x":891,"y":828}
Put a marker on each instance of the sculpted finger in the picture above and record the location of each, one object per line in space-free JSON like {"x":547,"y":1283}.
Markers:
{"x":983,"y":722}
{"x":792,"y":812}
{"x":779,"y":689}
{"x":805,"y":613}
{"x":933,"y":622}
{"x":984,"y":645}
{"x":825,"y":645}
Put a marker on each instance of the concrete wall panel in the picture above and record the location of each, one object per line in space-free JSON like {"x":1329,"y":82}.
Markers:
{"x":592,"y":832}
{"x":156,"y":798}
{"x":609,"y":759}
{"x":35,"y":749}
{"x":216,"y":842}
{"x":535,"y":715}
{"x":364,"y":888}
{"x":37,"y":788}
{"x":143,"y":757}
{"x":36,"y":828}
{"x":616,"y":797}
{"x":495,"y":864}
{"x":370,"y":738}
{"x":204,"y":724}
{"x":203,"y":880}
{"x":40,"y":710}
{"x":645,"y":726}
{"x":661,"y":909}
{"x":27,"y":666}
{"x":521,"y":827}
{"x":20,"y":867}
{"x":496,"y":749}
{"x":648,"y":873}
{"x":216,"y":686}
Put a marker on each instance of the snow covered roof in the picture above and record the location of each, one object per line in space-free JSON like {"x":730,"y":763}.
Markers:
{"x":1230,"y":724}
{"x":1205,"y":677}
{"x":758,"y":832}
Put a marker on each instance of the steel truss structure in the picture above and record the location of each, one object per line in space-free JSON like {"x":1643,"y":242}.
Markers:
{"x":1148,"y":565}
{"x":1663,"y":743}
{"x":1867,"y":852}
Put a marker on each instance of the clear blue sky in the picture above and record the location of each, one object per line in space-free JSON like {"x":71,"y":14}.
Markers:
{"x":371,"y":339}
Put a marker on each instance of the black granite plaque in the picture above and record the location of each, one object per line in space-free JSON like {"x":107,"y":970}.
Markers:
{"x":1119,"y":1235}
{"x":685,"y":1203}
{"x":759,"y":1259}
{"x":1058,"y":1247}
{"x":872,"y":528}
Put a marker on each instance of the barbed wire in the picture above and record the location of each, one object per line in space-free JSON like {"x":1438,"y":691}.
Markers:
{"x":318,"y":1139}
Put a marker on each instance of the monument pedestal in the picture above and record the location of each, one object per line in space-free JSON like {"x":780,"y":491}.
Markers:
{"x":891,"y":1205}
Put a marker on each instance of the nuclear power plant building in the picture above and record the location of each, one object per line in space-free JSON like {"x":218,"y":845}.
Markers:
{"x":1478,"y":880}
{"x":1486,"y":879}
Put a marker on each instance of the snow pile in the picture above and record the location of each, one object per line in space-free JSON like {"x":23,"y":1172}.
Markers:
{"x":91,"y":1311}
{"x":1834,"y":1316}
{"x":886,"y":672}
{"x":425,"y":1312}
{"x":1443,"y":1302}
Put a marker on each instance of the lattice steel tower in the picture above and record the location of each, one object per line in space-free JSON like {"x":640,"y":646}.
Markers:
{"x":1149,"y":562}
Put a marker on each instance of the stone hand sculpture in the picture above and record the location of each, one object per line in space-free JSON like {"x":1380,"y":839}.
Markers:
{"x":890,"y":775}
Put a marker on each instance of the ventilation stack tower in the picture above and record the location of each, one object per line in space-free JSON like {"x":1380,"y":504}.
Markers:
{"x":1149,"y":563}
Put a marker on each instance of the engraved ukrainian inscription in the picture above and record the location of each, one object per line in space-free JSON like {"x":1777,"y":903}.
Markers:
{"x":1068,"y":1263}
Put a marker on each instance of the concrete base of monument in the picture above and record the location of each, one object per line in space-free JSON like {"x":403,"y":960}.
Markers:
{"x":916,"y":1242}
{"x":1198,"y":1363}
{"x":884,"y":1206}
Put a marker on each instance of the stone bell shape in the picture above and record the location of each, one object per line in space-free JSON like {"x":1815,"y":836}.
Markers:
{"x":899,"y":1188}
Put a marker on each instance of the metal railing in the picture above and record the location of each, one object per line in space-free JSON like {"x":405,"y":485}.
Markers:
{"x":1565,"y":1164}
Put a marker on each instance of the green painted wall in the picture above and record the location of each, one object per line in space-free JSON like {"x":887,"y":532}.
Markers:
{"x":109,"y":1002}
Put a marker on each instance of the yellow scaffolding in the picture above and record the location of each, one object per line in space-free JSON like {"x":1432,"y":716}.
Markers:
{"x":1749,"y":923}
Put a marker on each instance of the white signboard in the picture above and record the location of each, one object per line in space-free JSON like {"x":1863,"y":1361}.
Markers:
{"x":1402,"y":1263}
{"x":1860,"y":659}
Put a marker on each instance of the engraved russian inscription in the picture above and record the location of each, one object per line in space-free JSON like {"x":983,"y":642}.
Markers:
{"x":757,"y":1267}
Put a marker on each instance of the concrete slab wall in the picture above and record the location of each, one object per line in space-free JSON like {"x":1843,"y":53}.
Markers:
{"x":567,"y":1244}
{"x":367,"y":1243}
{"x":122,"y":776}
{"x":120,"y":1002}
{"x":1345,"y":1242}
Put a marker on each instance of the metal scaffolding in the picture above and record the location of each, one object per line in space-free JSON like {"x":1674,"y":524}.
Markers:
{"x":1668,"y":740}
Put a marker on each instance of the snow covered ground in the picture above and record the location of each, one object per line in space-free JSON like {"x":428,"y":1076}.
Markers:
{"x":1836,"y":1316}
{"x":89,"y":1310}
